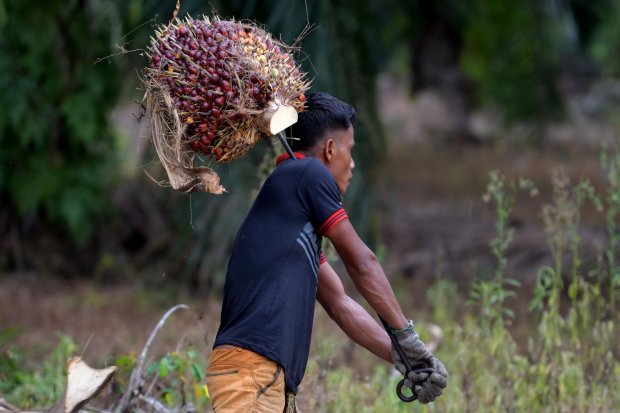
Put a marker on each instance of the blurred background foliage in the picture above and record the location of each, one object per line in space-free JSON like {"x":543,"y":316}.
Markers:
{"x":64,"y":183}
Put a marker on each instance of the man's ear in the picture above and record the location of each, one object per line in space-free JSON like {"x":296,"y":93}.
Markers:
{"x":329,"y":149}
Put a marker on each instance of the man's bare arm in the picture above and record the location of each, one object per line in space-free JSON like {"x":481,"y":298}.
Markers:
{"x":351,"y":317}
{"x":366,"y":272}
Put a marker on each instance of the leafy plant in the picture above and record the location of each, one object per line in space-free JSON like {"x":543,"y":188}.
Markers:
{"x":40,"y":385}
{"x":570,"y":362}
{"x":59,"y":153}
{"x":490,"y":295}
{"x":177,"y":378}
{"x":611,"y":164}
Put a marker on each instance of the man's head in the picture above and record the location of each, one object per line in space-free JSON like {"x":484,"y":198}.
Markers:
{"x":325,"y":130}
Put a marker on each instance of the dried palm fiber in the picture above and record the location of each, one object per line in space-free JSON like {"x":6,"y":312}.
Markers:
{"x":215,"y":87}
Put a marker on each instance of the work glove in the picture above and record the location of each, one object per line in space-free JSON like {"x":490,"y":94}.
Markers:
{"x":428,"y":388}
{"x":413,"y":348}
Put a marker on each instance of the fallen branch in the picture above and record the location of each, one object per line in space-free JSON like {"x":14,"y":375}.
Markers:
{"x":7,"y":407}
{"x":155,"y":404}
{"x":136,"y":379}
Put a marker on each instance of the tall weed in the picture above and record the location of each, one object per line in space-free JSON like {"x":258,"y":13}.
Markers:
{"x":571,"y":361}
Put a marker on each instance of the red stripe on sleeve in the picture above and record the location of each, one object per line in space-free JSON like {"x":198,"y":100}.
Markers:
{"x":322,"y":259}
{"x":331,"y":222}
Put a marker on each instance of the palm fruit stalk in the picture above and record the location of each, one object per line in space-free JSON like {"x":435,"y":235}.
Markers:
{"x":212,"y":86}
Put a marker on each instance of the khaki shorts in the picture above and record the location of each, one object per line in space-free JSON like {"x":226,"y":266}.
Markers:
{"x":241,"y":381}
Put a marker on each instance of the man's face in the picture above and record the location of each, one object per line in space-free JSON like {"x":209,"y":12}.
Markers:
{"x":341,"y":163}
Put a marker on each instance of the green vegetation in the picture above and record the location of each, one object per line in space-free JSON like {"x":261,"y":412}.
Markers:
{"x":178,"y":378}
{"x":59,"y":153}
{"x":569,"y":362}
{"x":61,"y":79}
{"x":28,"y":386}
{"x":60,"y":161}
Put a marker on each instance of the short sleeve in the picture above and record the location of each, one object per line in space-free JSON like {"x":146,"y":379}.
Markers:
{"x":320,"y":196}
{"x":322,"y":259}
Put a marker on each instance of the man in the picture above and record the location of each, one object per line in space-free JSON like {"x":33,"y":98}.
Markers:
{"x":277,"y":270}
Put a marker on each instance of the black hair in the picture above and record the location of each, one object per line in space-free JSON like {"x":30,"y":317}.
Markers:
{"x":323,"y":113}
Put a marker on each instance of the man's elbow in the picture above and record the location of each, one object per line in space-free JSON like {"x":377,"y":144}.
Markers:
{"x":364,"y":266}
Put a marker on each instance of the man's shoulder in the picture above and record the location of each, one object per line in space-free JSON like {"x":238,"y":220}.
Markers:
{"x":307,"y":166}
{"x":299,"y":162}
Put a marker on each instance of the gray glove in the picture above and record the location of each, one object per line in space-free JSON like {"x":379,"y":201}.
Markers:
{"x":413,"y":348}
{"x":427,"y":388}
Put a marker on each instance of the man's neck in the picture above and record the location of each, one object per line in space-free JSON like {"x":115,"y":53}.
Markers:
{"x":285,"y":156}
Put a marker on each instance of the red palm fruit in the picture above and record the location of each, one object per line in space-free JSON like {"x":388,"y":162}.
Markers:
{"x":219,"y":101}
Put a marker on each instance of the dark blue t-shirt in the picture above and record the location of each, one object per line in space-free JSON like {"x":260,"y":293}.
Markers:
{"x":272,"y":276}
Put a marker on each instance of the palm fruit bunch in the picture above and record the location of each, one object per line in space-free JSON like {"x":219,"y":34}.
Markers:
{"x":218,"y":77}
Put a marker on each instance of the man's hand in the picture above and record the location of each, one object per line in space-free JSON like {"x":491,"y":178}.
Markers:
{"x":427,"y":388}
